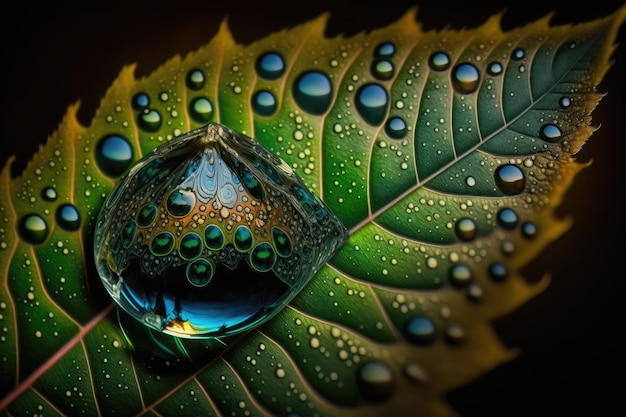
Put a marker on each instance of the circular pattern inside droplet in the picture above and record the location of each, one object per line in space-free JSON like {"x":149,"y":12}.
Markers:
{"x":114,"y":155}
{"x":420,"y":331}
{"x":68,"y":217}
{"x":460,"y":275}
{"x":270,"y":65}
{"x":396,"y":127}
{"x":507,"y":218}
{"x":199,"y":272}
{"x":262,"y":257}
{"x":382,"y":69}
{"x":140,"y":101}
{"x":146,"y":215}
{"x":195,"y":79}
{"x":372,"y":102}
{"x":550,"y":133}
{"x":439,"y":61}
{"x":465,"y":229}
{"x":162,"y":243}
{"x":150,"y":120}
{"x":181,"y":202}
{"x":312,"y":92}
{"x":375,"y":381}
{"x":510,"y":179}
{"x":465,"y":78}
{"x":129,"y":231}
{"x":201,"y":110}
{"x":190,"y":246}
{"x":264,"y":103}
{"x":282,"y":242}
{"x":214,"y":237}
{"x":33,"y":229}
{"x":243,"y":238}
{"x":49,"y":194}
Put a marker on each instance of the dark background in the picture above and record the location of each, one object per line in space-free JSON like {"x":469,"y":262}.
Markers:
{"x":571,"y":355}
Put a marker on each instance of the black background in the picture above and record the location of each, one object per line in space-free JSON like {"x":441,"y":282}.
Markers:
{"x":571,"y":356}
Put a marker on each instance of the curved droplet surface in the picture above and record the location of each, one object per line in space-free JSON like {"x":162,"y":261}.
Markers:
{"x":439,"y":61}
{"x":201,"y":110}
{"x":465,"y":229}
{"x":264,"y":103}
{"x":382,"y":69}
{"x":550,"y":133}
{"x":465,"y":78}
{"x":375,"y":381}
{"x":113,"y":155}
{"x":150,"y":120}
{"x":313,"y":91}
{"x":510,"y":179}
{"x":372,"y":101}
{"x":210,"y":235}
{"x":195,"y":79}
{"x":396,"y":128}
{"x":270,"y":65}
{"x":49,"y":194}
{"x":420,"y":331}
{"x":33,"y":229}
{"x":68,"y":217}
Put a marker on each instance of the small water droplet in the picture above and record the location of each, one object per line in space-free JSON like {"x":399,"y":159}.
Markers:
{"x":518,"y":53}
{"x":395,"y":128}
{"x":68,"y":217}
{"x":270,"y":65}
{"x":466,"y":229}
{"x":454,"y":334}
{"x":140,"y":101}
{"x":415,"y":372}
{"x":529,"y":230}
{"x":495,"y":68}
{"x":384,"y":50}
{"x":497,"y":272}
{"x":312,"y":91}
{"x":510,"y":179}
{"x":460,"y":275}
{"x":372,"y":102}
{"x":465,"y":78}
{"x":470,"y":181}
{"x":195,"y":79}
{"x":439,"y":61}
{"x":550,"y":133}
{"x":420,"y":331}
{"x":33,"y":229}
{"x":201,"y":110}
{"x":150,"y":120}
{"x":264,"y":103}
{"x":507,"y":218}
{"x":114,"y":155}
{"x":474,"y":292}
{"x":382,"y":69}
{"x":49,"y":194}
{"x":375,"y":381}
{"x":565,"y":102}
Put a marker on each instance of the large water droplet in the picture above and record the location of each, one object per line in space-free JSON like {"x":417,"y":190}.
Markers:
{"x":372,"y":102}
{"x":497,"y":272}
{"x":518,"y":54}
{"x":550,"y":133}
{"x":460,"y":275}
{"x":195,"y":79}
{"x":264,"y":103}
{"x":384,"y":50}
{"x":201,"y":110}
{"x":465,"y":78}
{"x":375,"y":381}
{"x":270,"y":65}
{"x":113,"y":155}
{"x":382,"y":69}
{"x":466,"y":229}
{"x":565,"y":102}
{"x":420,"y":331}
{"x":396,"y":128}
{"x":312,"y":91}
{"x":510,"y":179}
{"x":439,"y":61}
{"x":150,"y":120}
{"x":529,"y":230}
{"x":495,"y":68}
{"x":507,"y":218}
{"x":184,"y":246}
{"x":140,"y":101}
{"x":33,"y":229}
{"x":68,"y":217}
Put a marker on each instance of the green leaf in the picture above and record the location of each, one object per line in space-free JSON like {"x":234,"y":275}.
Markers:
{"x":421,"y":209}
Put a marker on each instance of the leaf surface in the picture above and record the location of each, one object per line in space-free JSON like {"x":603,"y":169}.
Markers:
{"x":423,"y":210}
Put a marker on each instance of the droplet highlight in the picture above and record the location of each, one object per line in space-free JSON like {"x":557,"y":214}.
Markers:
{"x":113,"y":155}
{"x":68,"y":217}
{"x":465,"y":78}
{"x":371,"y":102}
{"x":33,"y":229}
{"x":270,"y":65}
{"x":510,"y":179}
{"x":201,"y":110}
{"x":264,"y":103}
{"x":439,"y":61}
{"x":312,"y":92}
{"x":375,"y":381}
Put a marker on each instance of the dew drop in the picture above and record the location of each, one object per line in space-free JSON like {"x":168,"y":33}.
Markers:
{"x":439,"y":61}
{"x":190,"y":246}
{"x":495,"y":68}
{"x":264,"y":103}
{"x":460,"y":275}
{"x":510,"y":179}
{"x":529,"y":230}
{"x":201,"y":110}
{"x":68,"y":217}
{"x":395,"y":127}
{"x":140,"y":101}
{"x":262,"y":257}
{"x":465,"y":229}
{"x":113,"y":155}
{"x":195,"y":79}
{"x":214,"y":237}
{"x":375,"y":381}
{"x":465,"y":78}
{"x":474,"y":292}
{"x":162,"y":243}
{"x":382,"y":69}
{"x":33,"y":229}
{"x":49,"y":194}
{"x":420,"y":331}
{"x":507,"y":218}
{"x":518,"y":54}
{"x":497,"y":272}
{"x":372,"y":102}
{"x":199,"y":272}
{"x":270,"y":65}
{"x":550,"y":133}
{"x":384,"y":50}
{"x":454,"y":334}
{"x":415,"y":372}
{"x":150,"y":120}
{"x":565,"y":102}
{"x":470,"y":181}
{"x":243,"y":238}
{"x":181,"y":202}
{"x":312,"y":91}
{"x":147,"y":214}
